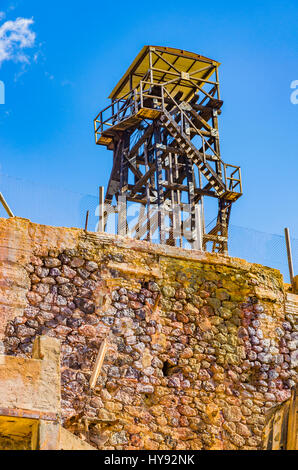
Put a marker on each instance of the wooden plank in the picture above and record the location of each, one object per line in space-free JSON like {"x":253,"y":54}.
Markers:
{"x":143,"y":180}
{"x":98,"y":363}
{"x":28,"y":414}
{"x":171,"y":66}
{"x":135,"y":270}
{"x":140,"y":142}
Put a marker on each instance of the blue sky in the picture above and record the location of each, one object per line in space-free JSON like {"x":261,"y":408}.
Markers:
{"x":77,"y":51}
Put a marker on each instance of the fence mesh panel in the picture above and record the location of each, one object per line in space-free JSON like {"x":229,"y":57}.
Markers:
{"x":62,"y":208}
{"x":263,"y":248}
{"x":47,"y":205}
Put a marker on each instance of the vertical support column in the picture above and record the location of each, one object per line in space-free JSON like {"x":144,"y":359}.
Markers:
{"x":147,"y":191}
{"x":191,"y":199}
{"x":123,"y":172}
{"x":216,"y":143}
{"x":46,"y":434}
{"x":172,"y":234}
{"x":121,"y":209}
{"x":113,"y":186}
{"x":124,"y":150}
{"x":224,"y":209}
{"x":150,"y":65}
{"x":217,"y":79}
{"x":198,"y":245}
{"x":159,"y":180}
{"x":202,"y":219}
{"x":140,"y":228}
{"x":121,"y":197}
{"x":215,"y":127}
{"x":222,"y":218}
{"x":178,"y":219}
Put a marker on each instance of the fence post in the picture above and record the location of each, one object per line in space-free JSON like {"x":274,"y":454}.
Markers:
{"x":86,"y":221}
{"x":101,"y":209}
{"x":6,"y":206}
{"x":289,"y":253}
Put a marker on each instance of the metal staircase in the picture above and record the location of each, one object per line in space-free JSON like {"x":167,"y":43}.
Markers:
{"x":190,"y":150}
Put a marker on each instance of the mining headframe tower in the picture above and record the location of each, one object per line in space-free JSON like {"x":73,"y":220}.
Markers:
{"x":162,"y":126}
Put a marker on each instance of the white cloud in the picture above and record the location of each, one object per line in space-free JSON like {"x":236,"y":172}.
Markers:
{"x":15,"y":37}
{"x":2,"y":15}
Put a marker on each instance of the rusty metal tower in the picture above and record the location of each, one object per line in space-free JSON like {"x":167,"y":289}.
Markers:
{"x":162,"y":125}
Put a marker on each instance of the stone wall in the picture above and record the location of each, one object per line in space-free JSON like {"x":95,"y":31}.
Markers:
{"x":200,"y":345}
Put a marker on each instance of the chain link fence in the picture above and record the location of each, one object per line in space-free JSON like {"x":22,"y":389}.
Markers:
{"x":62,"y":208}
{"x":263,"y":248}
{"x":47,"y":205}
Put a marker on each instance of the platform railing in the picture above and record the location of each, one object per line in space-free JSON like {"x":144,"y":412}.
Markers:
{"x":233,"y":180}
{"x":141,"y":97}
{"x":116,"y":112}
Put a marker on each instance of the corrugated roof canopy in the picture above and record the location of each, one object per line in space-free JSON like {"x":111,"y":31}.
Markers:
{"x":169,"y":62}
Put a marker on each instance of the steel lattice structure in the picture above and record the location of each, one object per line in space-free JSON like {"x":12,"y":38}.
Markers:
{"x":162,"y":126}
